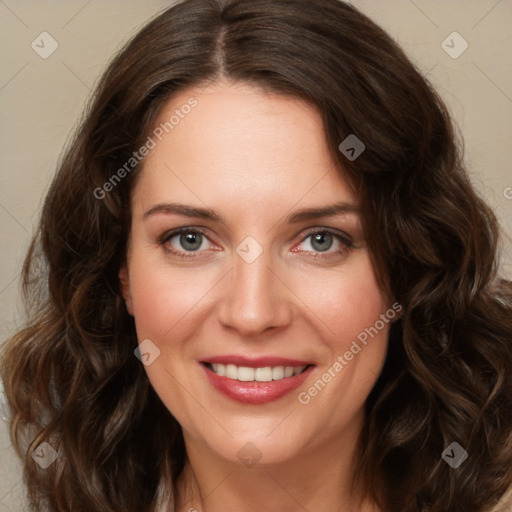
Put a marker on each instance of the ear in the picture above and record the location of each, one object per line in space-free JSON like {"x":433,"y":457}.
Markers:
{"x":124,"y":281}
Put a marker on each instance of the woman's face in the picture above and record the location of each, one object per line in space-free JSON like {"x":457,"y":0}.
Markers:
{"x":269,"y":271}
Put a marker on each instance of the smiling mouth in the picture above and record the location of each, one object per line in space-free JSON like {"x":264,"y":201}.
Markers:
{"x":254,"y":381}
{"x":261,"y":374}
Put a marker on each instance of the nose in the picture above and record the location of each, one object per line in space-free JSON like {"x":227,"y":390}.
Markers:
{"x":255,"y":300}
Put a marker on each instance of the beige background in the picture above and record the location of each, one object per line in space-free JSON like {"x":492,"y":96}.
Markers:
{"x":41,"y":101}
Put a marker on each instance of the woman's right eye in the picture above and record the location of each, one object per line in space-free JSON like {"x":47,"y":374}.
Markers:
{"x":185,"y":242}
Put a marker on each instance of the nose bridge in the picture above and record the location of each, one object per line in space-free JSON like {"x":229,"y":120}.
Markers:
{"x":254,"y":299}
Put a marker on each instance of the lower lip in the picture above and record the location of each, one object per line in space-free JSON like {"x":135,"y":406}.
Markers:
{"x":255,"y":392}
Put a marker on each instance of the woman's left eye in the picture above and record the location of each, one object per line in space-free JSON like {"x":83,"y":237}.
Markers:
{"x":324,"y":241}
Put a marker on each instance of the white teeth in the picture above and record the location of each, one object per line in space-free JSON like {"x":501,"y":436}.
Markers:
{"x":263,"y":374}
{"x":277,"y":372}
{"x":298,"y":369}
{"x":219,"y":369}
{"x":231,"y":371}
{"x":245,"y":374}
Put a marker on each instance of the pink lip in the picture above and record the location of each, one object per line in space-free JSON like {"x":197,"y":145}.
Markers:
{"x":255,"y":362}
{"x":256,"y":393}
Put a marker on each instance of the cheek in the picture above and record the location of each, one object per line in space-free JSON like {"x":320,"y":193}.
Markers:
{"x":165,"y":302}
{"x":163,"y":296}
{"x":346,"y":301}
{"x":350,"y":308}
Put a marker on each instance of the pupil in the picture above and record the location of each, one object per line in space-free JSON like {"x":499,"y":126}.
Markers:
{"x":191,"y":241}
{"x":322,"y":242}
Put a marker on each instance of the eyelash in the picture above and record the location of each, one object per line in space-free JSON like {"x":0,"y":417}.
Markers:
{"x":343,"y":239}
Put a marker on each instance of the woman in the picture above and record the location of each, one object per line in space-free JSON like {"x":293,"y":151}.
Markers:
{"x":269,"y":283}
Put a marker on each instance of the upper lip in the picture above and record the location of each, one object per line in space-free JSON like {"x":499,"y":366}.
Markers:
{"x":255,"y":362}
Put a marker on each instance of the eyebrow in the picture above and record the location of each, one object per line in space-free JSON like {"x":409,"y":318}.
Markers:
{"x":303,"y":215}
{"x":183,"y":210}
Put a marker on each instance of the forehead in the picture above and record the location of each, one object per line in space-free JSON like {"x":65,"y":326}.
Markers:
{"x":240,"y":144}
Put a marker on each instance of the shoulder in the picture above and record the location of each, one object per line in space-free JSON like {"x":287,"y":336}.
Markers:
{"x":505,"y":503}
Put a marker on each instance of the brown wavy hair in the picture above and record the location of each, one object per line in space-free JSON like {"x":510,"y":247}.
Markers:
{"x":70,"y":374}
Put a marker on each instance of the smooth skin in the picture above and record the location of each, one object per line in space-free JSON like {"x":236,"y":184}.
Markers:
{"x":255,"y":159}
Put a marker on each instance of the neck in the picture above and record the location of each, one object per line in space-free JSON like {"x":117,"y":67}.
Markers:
{"x":320,"y":478}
